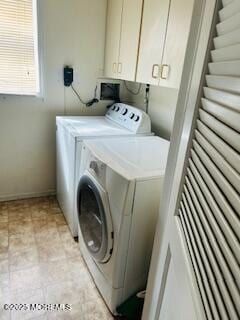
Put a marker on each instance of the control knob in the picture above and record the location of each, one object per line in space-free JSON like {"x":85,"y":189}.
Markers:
{"x":113,"y":107}
{"x":117,"y":109}
{"x":131,"y":115}
{"x":136,"y":118}
{"x":125,"y":111}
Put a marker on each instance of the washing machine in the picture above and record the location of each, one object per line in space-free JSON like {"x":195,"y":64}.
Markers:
{"x":120,"y":120}
{"x":118,"y":196}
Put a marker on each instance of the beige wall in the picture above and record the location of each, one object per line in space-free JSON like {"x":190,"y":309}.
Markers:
{"x":72,"y":33}
{"x":161,"y":108}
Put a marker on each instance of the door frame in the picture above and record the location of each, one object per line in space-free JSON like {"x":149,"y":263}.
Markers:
{"x":196,"y":61}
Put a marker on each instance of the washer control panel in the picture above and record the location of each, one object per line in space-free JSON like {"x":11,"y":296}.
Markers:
{"x":129,"y":117}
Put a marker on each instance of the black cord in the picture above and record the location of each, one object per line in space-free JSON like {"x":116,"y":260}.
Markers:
{"x":87,"y":103}
{"x":76,"y":93}
{"x":132,"y":92}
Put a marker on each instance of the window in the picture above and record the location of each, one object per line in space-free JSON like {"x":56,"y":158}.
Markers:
{"x":18,"y":47}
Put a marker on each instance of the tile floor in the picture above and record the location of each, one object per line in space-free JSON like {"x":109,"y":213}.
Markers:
{"x":41,"y":263}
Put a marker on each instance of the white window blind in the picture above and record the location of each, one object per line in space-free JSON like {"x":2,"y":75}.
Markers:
{"x":18,"y":47}
{"x":210,"y":203}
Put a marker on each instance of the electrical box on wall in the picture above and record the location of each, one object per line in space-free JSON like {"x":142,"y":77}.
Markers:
{"x":108,"y":90}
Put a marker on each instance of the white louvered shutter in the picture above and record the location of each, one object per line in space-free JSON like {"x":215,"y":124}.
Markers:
{"x":210,"y":203}
{"x":18,"y":47}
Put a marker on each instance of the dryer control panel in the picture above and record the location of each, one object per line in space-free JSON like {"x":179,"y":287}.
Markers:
{"x":129,"y":117}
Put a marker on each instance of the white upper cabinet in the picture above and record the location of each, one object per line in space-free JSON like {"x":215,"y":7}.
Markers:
{"x":114,"y":21}
{"x":165,"y":31}
{"x":122,"y":38}
{"x":147,"y":43}
{"x":154,"y":25}
{"x":178,"y":30}
{"x":129,"y":42}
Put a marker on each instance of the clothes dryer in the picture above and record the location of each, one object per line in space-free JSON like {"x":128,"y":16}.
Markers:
{"x":118,"y":196}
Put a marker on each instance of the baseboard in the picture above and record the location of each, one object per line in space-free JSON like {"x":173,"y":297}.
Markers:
{"x":27,"y":195}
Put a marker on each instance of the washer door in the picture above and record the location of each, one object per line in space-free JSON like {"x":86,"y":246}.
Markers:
{"x":94,"y":219}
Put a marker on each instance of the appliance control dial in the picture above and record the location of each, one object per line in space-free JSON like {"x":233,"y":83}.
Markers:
{"x":117,"y":109}
{"x":113,"y":107}
{"x":131,"y":115}
{"x":136,"y":118}
{"x":125,"y":111}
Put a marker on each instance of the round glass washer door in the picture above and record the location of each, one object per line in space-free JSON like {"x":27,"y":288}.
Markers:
{"x":94,"y":219}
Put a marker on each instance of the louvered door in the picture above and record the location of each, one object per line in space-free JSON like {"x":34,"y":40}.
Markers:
{"x":210,"y":204}
{"x":207,"y":212}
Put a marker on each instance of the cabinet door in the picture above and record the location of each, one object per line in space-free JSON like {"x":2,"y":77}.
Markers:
{"x":178,"y":30}
{"x":154,"y":25}
{"x":130,"y":34}
{"x":114,"y":19}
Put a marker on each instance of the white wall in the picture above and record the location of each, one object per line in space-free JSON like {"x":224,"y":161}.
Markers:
{"x":72,"y":33}
{"x":161,"y":108}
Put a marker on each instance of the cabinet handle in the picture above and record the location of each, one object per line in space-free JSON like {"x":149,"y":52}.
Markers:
{"x":153,"y":71}
{"x":120,"y":67}
{"x":165,"y":71}
{"x":114,"y":67}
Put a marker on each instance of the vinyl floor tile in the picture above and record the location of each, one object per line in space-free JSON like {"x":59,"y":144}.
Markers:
{"x":23,"y":259}
{"x":4,"y":266}
{"x":26,"y":279}
{"x":21,"y":242}
{"x":40,"y":263}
